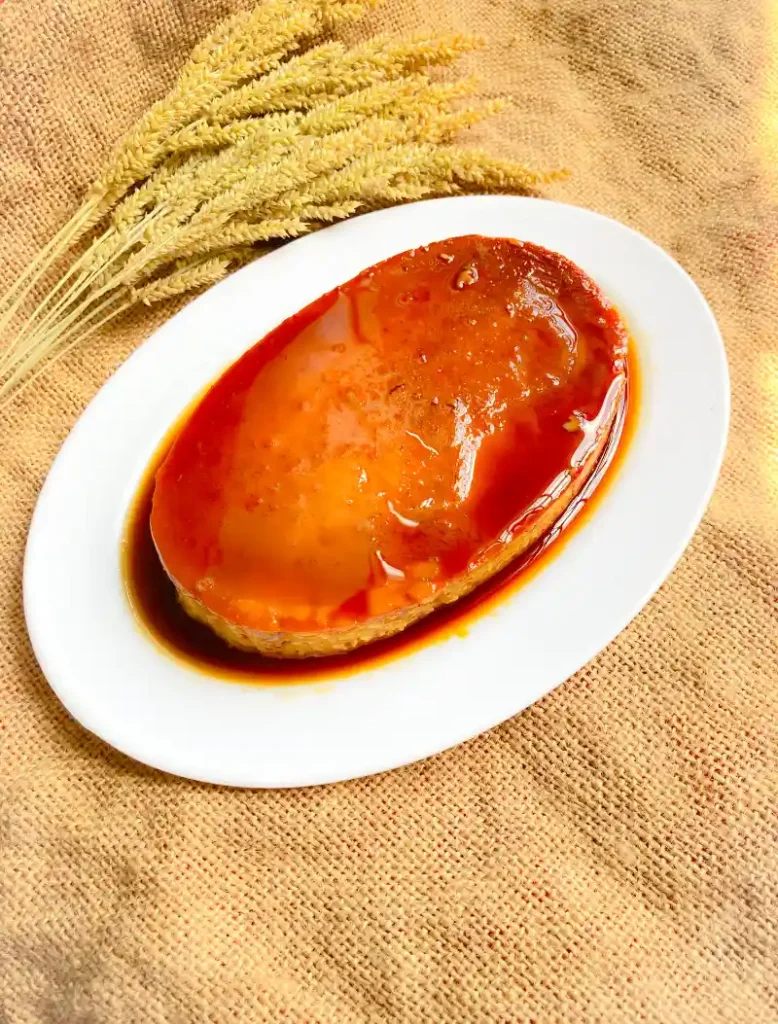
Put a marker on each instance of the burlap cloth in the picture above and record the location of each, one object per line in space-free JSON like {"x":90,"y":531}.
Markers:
{"x":610,"y":854}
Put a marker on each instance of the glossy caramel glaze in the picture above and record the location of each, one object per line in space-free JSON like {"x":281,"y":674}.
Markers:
{"x":155,"y":605}
{"x":390,"y":437}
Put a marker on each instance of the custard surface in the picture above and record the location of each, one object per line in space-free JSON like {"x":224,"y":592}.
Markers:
{"x":392,"y":435}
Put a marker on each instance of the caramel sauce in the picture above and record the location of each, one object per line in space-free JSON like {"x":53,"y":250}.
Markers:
{"x":391,"y":436}
{"x":276,"y":392}
{"x":153,"y":598}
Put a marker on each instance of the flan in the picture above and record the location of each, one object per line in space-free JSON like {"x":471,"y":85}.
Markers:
{"x":390,"y":447}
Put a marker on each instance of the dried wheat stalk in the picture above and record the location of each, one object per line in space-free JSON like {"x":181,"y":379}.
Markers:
{"x":267,"y":134}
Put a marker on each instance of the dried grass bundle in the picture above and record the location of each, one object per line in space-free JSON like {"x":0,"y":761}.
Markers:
{"x":260,"y":140}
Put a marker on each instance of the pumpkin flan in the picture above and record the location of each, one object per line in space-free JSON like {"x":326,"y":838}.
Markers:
{"x":390,"y":447}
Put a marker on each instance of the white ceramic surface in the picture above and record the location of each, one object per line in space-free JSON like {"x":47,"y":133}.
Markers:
{"x":115,"y":680}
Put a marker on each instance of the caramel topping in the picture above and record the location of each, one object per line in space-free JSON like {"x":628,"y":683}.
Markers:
{"x":379,"y":442}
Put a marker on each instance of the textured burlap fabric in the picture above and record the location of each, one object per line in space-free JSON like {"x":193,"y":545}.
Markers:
{"x":611,"y":854}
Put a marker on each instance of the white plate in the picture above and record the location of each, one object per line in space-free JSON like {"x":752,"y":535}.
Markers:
{"x":114,"y":679}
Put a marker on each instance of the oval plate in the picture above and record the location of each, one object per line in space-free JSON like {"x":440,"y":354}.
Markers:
{"x":116,"y":681}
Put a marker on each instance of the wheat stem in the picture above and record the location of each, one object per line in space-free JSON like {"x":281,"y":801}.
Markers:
{"x":32,"y":275}
{"x":81,"y":286}
{"x":12,"y":347}
{"x":15,"y":384}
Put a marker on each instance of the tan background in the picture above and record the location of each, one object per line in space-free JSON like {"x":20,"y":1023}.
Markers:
{"x":610,"y":854}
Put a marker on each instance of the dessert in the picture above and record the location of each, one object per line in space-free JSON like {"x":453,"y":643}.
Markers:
{"x":390,"y":447}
